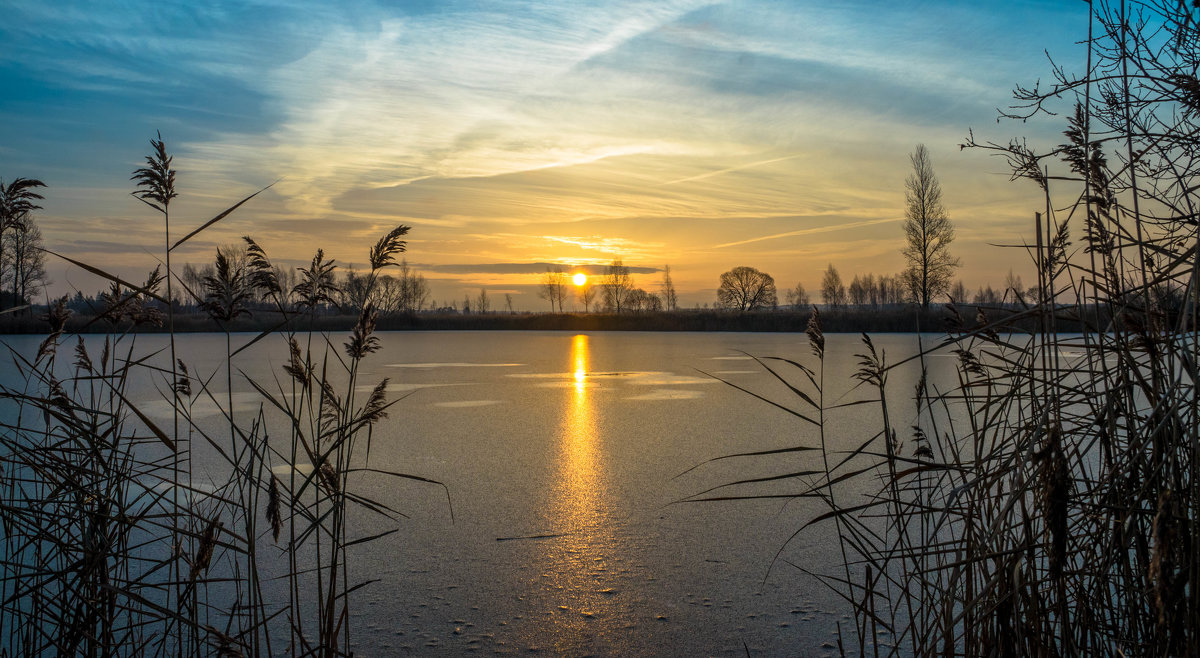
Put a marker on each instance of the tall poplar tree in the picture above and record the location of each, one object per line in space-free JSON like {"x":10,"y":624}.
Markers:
{"x":928,"y":232}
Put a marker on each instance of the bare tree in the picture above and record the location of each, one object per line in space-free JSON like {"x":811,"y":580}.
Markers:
{"x":798,"y":297}
{"x":23,"y":261}
{"x":892,"y":289}
{"x":387,"y":293}
{"x":832,"y":289}
{"x":1014,"y":289}
{"x":928,"y":231}
{"x":746,"y":289}
{"x":482,"y":303}
{"x":554,"y":287}
{"x":508,"y":306}
{"x":355,"y":289}
{"x":858,"y":292}
{"x":16,"y":202}
{"x":286,"y":276}
{"x":406,"y":292}
{"x":192,"y":280}
{"x":618,"y":286}
{"x":586,"y":295}
{"x":414,"y":289}
{"x":987,"y":296}
{"x":653,"y":303}
{"x":636,"y":301}
{"x":669,"y":300}
{"x":959,"y":293}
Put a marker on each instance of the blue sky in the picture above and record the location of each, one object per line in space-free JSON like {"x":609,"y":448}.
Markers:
{"x":705,"y":135}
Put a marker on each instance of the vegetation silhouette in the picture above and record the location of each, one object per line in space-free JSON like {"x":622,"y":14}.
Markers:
{"x":927,"y":233}
{"x":833,"y":291}
{"x":115,"y":540}
{"x":1047,"y":504}
{"x":17,"y":200}
{"x":746,"y":289}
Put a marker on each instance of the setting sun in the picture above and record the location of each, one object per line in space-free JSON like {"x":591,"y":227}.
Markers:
{"x":580,"y":278}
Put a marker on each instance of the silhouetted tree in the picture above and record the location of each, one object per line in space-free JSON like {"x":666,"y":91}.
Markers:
{"x":1015,"y":292}
{"x":618,"y":285}
{"x":287,"y":279}
{"x":746,"y":289}
{"x":832,"y":289}
{"x":355,"y":289}
{"x":16,"y":202}
{"x":192,"y":279}
{"x":387,"y":293}
{"x":892,"y":289}
{"x":23,"y":261}
{"x":798,"y":297}
{"x":482,"y":303}
{"x":508,"y":305}
{"x":871,"y":283}
{"x":928,"y":232}
{"x":959,"y":293}
{"x":414,"y":289}
{"x":858,"y":291}
{"x":636,"y":300}
{"x":554,"y":287}
{"x":669,"y":300}
{"x":586,"y":294}
{"x":987,"y":296}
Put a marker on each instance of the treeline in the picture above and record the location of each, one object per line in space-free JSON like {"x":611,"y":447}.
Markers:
{"x":748,"y":289}
{"x":896,"y":319}
{"x":612,"y":292}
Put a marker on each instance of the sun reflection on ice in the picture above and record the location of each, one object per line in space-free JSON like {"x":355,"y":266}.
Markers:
{"x":579,"y":442}
{"x":578,"y":564}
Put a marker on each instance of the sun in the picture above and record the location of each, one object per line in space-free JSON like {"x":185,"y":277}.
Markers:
{"x":580,"y":278}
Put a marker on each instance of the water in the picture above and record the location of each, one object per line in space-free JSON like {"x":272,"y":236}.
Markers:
{"x":560,"y":452}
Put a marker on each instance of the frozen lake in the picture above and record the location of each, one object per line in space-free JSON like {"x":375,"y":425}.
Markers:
{"x":561,"y":452}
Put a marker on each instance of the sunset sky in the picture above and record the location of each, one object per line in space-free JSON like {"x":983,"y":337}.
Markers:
{"x":704,"y":135}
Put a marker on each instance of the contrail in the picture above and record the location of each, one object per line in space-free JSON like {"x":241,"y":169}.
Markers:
{"x":728,"y":170}
{"x":808,"y":231}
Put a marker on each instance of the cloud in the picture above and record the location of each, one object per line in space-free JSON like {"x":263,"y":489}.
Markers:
{"x":728,"y":170}
{"x":513,"y":135}
{"x":810,"y":231}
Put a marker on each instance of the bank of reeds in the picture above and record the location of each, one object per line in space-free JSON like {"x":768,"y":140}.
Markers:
{"x":115,"y":541}
{"x":1047,"y":504}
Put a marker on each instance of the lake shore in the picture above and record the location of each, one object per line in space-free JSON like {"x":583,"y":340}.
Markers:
{"x":901,"y":319}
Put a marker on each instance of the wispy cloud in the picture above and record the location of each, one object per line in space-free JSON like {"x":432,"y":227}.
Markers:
{"x":809,"y":231}
{"x":726,"y":170}
{"x":681,"y":131}
{"x":615,"y":246}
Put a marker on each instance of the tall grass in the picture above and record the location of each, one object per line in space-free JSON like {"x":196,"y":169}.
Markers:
{"x":114,"y":542}
{"x":1046,"y":504}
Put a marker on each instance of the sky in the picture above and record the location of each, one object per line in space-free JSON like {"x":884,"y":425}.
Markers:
{"x":512,"y":135}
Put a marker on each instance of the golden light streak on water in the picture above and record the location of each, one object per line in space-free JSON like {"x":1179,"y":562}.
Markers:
{"x":579,"y":442}
{"x":578,"y":563}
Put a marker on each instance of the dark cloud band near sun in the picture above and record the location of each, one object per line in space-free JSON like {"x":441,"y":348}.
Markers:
{"x":525,"y":268}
